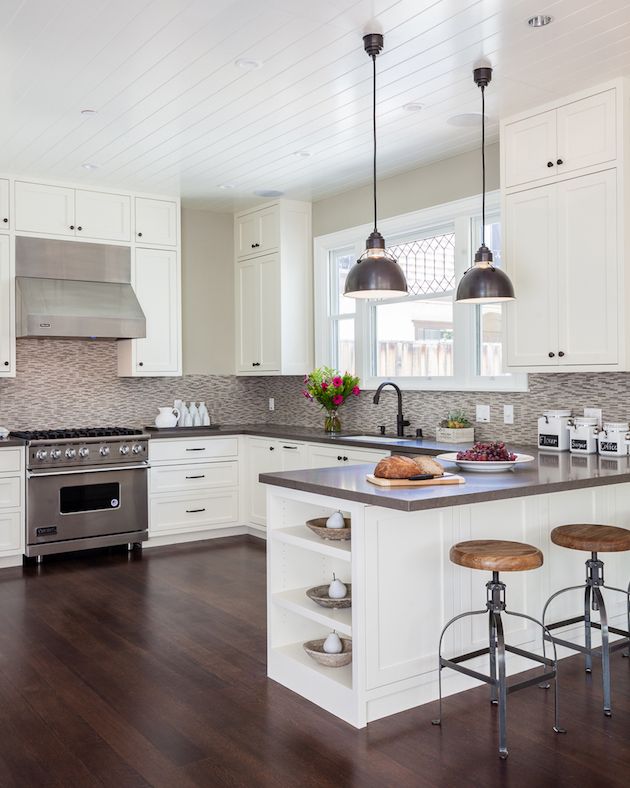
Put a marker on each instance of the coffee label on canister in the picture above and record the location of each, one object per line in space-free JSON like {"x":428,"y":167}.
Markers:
{"x":608,"y":446}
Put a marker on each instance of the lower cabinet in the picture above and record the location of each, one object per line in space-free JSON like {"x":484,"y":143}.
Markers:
{"x":12,"y":524}
{"x":327,"y":456}
{"x":193,"y":485}
{"x":266,"y":455}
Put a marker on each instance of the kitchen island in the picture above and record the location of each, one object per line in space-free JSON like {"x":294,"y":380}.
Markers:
{"x":404,"y":588}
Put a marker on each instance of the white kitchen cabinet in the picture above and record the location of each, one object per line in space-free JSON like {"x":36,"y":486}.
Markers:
{"x":102,"y":216}
{"x":156,"y":221}
{"x":156,"y":279}
{"x":329,"y":456}
{"x":12,"y":525}
{"x":267,"y":455}
{"x":5,"y":210}
{"x":44,"y":209}
{"x":564,"y":316}
{"x":7,"y":309}
{"x":274,"y":318}
{"x":258,"y":232}
{"x":574,"y":135}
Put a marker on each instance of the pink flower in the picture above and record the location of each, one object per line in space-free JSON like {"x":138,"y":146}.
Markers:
{"x":337,"y":382}
{"x":356,"y":391}
{"x":307,"y":395}
{"x":324,"y":385}
{"x":337,"y":399}
{"x":305,"y":379}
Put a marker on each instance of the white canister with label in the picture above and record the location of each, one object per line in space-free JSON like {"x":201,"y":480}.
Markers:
{"x":583,"y":431}
{"x":553,"y":431}
{"x":613,"y":439}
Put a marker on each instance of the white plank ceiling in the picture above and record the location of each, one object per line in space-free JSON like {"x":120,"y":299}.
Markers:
{"x":175,"y":114}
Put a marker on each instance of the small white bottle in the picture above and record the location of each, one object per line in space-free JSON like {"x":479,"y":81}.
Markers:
{"x":183,"y":413}
{"x":204,"y":415}
{"x":192,"y":409}
{"x":188,"y":421}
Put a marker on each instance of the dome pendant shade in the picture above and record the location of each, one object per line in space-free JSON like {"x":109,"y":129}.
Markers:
{"x":483,"y":283}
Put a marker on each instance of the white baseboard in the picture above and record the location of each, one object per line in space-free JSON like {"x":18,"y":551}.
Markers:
{"x":211,"y":533}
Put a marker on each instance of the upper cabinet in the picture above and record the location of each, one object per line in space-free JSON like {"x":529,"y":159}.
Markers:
{"x":566,"y":236}
{"x":78,"y":213}
{"x":5,"y":213}
{"x":156,"y":222}
{"x":562,"y":141}
{"x":274,"y":315}
{"x":7,"y":309}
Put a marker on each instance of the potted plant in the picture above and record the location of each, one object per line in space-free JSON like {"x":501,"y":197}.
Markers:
{"x":455,"y":428}
{"x":330,"y":389}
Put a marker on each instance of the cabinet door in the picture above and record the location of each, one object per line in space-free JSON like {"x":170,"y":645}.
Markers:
{"x":263,"y":457}
{"x":103,"y":216}
{"x":248,"y":319}
{"x":294,"y":456}
{"x":246,"y":235}
{"x":44,"y":209}
{"x":156,"y":221}
{"x":270,"y":314}
{"x":531,"y":249}
{"x":588,"y":269}
{"x":530,"y":149}
{"x":258,"y":232}
{"x":7,"y":310}
{"x":587,"y":132}
{"x":4,"y":204}
{"x":269,"y":229}
{"x":156,"y":283}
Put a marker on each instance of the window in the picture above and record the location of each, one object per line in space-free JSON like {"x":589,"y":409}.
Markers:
{"x":424,"y":340}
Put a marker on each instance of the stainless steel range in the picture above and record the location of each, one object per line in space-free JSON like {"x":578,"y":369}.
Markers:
{"x":85,"y":488}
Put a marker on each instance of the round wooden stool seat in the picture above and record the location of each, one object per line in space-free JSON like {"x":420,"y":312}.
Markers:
{"x":592,"y":538}
{"x":496,"y":555}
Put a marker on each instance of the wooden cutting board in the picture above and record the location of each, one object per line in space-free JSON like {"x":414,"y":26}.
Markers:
{"x":448,"y":478}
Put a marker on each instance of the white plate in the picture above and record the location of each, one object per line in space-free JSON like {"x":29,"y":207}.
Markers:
{"x":485,"y":467}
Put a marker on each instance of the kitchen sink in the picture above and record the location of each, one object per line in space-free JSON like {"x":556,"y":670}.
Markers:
{"x":377,"y":438}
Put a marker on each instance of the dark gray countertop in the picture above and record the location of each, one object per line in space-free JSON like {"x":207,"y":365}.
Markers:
{"x":548,"y":473}
{"x":313,"y":434}
{"x":4,"y":442}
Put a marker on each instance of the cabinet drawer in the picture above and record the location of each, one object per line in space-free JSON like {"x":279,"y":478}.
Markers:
{"x":10,"y":460}
{"x":184,"y":478}
{"x":193,"y":512}
{"x":10,"y":531}
{"x":10,"y":492}
{"x":192,"y":449}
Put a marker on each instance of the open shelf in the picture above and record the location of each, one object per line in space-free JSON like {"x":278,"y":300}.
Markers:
{"x":296,"y":601}
{"x":300,"y":536}
{"x":296,"y":654}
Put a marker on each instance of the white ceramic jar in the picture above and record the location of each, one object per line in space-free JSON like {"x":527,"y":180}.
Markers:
{"x":583,"y":431}
{"x":613,"y":439}
{"x":552,"y":430}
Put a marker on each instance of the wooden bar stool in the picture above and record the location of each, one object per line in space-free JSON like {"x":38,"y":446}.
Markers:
{"x":498,"y":556}
{"x":593,"y":539}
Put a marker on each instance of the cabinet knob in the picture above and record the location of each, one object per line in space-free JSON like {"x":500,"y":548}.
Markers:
{"x":551,"y":354}
{"x":339,"y":457}
{"x":139,"y":235}
{"x":140,"y":363}
{"x":72,"y":227}
{"x":255,"y":363}
{"x":559,"y":161}
{"x":5,"y":220}
{"x":6,"y":363}
{"x":271,"y":448}
{"x":345,"y":459}
{"x":79,"y":228}
{"x":561,"y":353}
{"x":549,"y":164}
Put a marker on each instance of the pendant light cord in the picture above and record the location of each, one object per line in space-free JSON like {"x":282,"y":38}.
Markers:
{"x":483,"y":165}
{"x":374,"y":136}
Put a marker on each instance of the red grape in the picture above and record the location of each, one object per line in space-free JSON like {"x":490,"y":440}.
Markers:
{"x":487,"y":452}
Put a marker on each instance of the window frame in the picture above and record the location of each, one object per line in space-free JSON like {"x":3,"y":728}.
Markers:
{"x":461,"y":214}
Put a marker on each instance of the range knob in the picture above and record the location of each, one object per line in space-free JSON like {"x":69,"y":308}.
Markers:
{"x":137,"y":448}
{"x":55,"y":454}
{"x":104,"y":451}
{"x":41,"y":454}
{"x":124,"y":449}
{"x":84,"y":451}
{"x":71,"y":453}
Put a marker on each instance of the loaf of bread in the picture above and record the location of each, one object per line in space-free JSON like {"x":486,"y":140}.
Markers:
{"x":396,"y":468}
{"x":426,"y":464}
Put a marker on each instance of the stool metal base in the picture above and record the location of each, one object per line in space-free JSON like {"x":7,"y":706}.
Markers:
{"x":593,"y":601}
{"x":499,"y":688}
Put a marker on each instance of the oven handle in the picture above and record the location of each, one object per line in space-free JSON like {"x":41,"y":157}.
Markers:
{"x":75,"y":471}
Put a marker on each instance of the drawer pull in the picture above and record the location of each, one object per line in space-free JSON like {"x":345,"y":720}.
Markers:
{"x":293,"y":448}
{"x":197,"y":448}
{"x":194,"y":511}
{"x":200,"y":476}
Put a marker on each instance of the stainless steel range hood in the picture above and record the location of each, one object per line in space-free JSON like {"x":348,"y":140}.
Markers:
{"x":78,"y":290}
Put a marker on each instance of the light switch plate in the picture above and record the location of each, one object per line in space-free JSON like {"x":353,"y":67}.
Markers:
{"x":272,"y":403}
{"x":508,"y":414}
{"x":482,"y":413}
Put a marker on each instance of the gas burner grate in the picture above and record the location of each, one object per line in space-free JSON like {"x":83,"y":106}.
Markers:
{"x":79,"y":432}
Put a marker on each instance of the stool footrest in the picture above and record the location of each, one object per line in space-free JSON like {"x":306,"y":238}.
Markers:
{"x":618,"y":644}
{"x":539,"y":678}
{"x":528,"y":655}
{"x":474,"y":674}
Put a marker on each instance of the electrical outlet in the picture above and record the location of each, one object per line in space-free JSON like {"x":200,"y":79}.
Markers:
{"x":482,"y":413}
{"x":272,"y":403}
{"x":508,"y":414}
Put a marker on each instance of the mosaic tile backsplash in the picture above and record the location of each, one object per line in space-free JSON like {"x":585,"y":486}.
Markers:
{"x":75,"y":383}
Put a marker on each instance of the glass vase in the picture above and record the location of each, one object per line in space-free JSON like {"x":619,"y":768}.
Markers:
{"x":333,"y":422}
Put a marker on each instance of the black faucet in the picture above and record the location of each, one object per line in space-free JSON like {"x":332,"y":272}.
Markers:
{"x":401,"y":422}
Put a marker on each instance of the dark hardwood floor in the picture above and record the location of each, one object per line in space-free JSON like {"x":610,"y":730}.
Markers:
{"x":150,"y":671}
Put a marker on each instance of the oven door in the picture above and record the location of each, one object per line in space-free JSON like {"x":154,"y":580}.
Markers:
{"x":66,"y":505}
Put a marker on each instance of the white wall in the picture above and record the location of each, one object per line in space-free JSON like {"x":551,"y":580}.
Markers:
{"x":439,"y":182}
{"x":207,"y":292}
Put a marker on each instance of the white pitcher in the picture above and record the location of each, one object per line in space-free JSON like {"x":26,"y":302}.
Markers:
{"x":167,"y":417}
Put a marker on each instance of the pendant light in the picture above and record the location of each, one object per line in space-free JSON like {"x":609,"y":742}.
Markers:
{"x":482,"y":283}
{"x":376,"y":274}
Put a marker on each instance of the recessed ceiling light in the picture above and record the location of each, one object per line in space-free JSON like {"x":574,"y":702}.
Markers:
{"x":413,"y":106}
{"x":226,"y":186}
{"x":268,"y":193}
{"x":89,"y":111}
{"x":466,"y":119}
{"x":302,"y":154}
{"x":539,"y":20}
{"x":248,"y":63}
{"x":90,"y":166}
